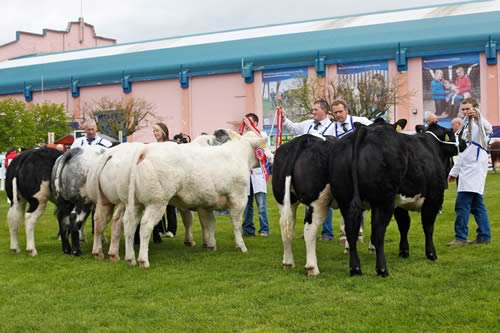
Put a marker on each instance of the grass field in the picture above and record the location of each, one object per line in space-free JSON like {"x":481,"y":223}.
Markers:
{"x":190,"y":289}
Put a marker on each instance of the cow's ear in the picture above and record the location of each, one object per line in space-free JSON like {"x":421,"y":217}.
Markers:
{"x":400,"y":124}
{"x":446,"y":138}
{"x":357,"y":125}
{"x":420,"y":128}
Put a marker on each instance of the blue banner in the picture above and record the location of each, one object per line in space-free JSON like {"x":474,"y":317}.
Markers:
{"x":450,"y":60}
{"x":361,"y":67}
{"x":284,"y":74}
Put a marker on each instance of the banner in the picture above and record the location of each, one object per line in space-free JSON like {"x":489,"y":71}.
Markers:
{"x":277,"y":84}
{"x":446,"y":81}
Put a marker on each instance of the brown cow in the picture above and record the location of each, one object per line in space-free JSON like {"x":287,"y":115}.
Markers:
{"x":495,"y":155}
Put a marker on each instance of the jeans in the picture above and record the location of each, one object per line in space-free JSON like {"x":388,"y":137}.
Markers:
{"x":467,"y":203}
{"x":248,"y":225}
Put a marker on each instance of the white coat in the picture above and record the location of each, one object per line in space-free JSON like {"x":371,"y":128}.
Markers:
{"x":307,"y":127}
{"x":98,"y":141}
{"x":472,"y":164}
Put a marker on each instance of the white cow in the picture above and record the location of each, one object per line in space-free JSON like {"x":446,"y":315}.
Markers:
{"x":111,"y":176}
{"x":189,"y":177}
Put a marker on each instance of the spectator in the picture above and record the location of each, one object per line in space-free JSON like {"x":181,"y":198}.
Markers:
{"x":439,"y":93}
{"x":169,"y":229}
{"x":91,"y":137}
{"x":430,"y":118}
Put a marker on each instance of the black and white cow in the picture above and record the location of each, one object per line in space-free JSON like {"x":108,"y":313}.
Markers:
{"x":28,"y":181}
{"x":69,"y":177}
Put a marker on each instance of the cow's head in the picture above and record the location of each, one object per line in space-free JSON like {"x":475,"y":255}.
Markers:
{"x":221,"y":136}
{"x":445,"y":136}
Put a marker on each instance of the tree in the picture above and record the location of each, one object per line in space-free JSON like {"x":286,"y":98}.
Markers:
{"x":113,"y":116}
{"x":370,"y":97}
{"x":26,"y":126}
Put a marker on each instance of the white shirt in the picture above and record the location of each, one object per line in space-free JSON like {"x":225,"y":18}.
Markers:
{"x":349,"y":121}
{"x":84,"y":142}
{"x":325,"y":127}
{"x":472,"y":164}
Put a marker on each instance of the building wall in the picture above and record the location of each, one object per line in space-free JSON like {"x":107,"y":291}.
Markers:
{"x":53,"y":41}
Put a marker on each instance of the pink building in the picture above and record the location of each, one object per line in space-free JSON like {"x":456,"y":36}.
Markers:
{"x":203,"y":82}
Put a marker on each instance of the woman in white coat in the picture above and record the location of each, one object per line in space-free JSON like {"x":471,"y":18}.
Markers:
{"x":471,"y":169}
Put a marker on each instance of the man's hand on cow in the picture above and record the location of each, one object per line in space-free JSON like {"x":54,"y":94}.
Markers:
{"x":451,"y":178}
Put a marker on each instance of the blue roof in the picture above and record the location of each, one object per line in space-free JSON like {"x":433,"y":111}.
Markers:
{"x":428,"y":36}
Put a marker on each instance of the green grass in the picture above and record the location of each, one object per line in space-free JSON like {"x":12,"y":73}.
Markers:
{"x":190,"y":289}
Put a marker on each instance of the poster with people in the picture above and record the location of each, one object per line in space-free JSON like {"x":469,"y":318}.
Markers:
{"x":276,"y":88}
{"x":447,"y":80}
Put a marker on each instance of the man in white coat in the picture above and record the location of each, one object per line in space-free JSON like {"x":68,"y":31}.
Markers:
{"x":471,"y":169}
{"x":343,"y":125}
{"x":319,"y":125}
{"x":91,"y":137}
{"x":258,"y":189}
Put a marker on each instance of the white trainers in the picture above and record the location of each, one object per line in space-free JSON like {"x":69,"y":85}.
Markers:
{"x":169,"y":234}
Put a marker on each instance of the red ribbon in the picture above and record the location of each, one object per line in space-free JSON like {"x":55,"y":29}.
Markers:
{"x":252,"y":124}
{"x":261,"y":156}
{"x":279,"y":126}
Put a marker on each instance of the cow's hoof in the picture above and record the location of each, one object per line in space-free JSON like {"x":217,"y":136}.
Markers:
{"x":77,"y":253}
{"x":205,"y":245}
{"x":243,"y":250}
{"x":67,"y":251}
{"x":114,"y":257}
{"x":15,"y":251}
{"x":404,"y":254}
{"x":211,"y":248}
{"x":312,"y":271}
{"x":192,"y":244}
{"x":98,"y":255}
{"x":371,"y":248}
{"x":346,"y":250}
{"x":288,"y":267}
{"x":143,"y":263}
{"x":431,"y":256}
{"x":356,"y":271}
{"x":383,"y":272}
{"x":131,"y":262}
{"x":31,"y":252}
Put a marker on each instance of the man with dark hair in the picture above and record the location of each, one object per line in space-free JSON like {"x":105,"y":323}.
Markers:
{"x":319,"y":125}
{"x":344,"y":124}
{"x":258,"y":189}
{"x":472,"y":169}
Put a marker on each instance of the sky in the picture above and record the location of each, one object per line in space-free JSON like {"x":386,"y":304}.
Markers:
{"x":138,"y":20}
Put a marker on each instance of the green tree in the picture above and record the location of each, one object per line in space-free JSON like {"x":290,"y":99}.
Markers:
{"x":23,"y":125}
{"x":369,"y":97}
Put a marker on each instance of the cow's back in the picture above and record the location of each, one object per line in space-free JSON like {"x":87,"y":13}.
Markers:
{"x":30,"y":169}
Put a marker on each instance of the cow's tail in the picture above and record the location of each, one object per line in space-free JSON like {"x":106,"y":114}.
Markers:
{"x":57,"y":172}
{"x":138,"y":155}
{"x":355,"y":208}
{"x":14,"y":192}
{"x":286,"y":212}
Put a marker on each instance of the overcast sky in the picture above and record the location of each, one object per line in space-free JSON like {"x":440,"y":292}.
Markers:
{"x":136,"y":20}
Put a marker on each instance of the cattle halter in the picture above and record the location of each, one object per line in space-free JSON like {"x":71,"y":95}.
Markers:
{"x":441,"y":141}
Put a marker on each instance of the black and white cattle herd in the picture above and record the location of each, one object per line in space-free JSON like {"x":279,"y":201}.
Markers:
{"x":377,"y":167}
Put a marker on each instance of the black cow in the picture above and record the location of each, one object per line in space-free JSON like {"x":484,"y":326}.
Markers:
{"x":422,"y":189}
{"x":28,"y":181}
